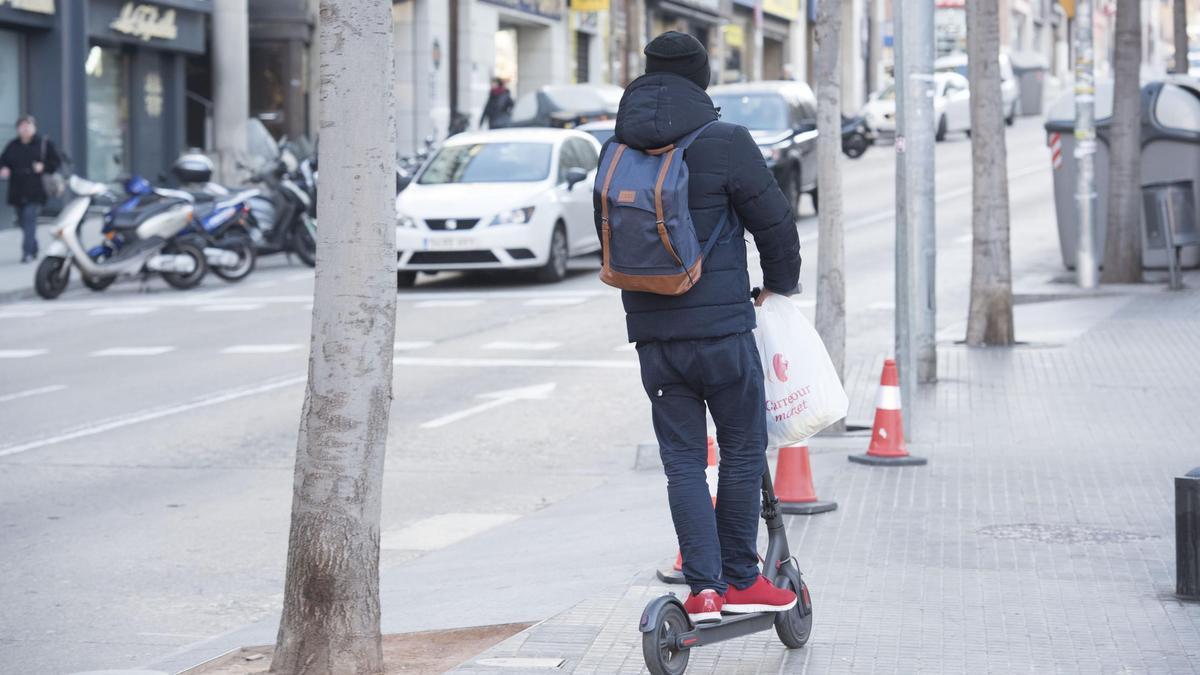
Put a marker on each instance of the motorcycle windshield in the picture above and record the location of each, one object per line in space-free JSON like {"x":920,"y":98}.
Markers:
{"x":260,"y":146}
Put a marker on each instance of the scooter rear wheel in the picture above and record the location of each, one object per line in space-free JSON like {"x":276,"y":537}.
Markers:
{"x":659,"y":648}
{"x":795,"y":625}
{"x":181,"y":280}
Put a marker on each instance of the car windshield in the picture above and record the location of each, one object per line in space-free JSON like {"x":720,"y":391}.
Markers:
{"x":601,"y":135}
{"x":495,"y":162}
{"x":580,"y":98}
{"x":764,"y":112}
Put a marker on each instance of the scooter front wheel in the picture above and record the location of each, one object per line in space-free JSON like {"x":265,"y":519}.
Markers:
{"x":795,"y":625}
{"x":659,"y":646}
{"x":52,"y":276}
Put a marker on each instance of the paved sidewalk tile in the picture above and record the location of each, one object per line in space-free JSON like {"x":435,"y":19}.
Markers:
{"x":1040,"y":537}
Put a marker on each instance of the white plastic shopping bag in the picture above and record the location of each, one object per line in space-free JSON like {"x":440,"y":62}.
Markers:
{"x":804,"y":394}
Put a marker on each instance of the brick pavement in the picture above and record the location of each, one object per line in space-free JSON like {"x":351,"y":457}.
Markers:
{"x":1040,"y":538}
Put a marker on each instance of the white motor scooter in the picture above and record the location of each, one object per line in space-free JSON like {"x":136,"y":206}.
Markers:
{"x":143,"y":237}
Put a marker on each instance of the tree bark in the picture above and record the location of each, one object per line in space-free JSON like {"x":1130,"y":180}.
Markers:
{"x":330,"y":621}
{"x":990,"y":318}
{"x":1123,"y":239}
{"x":1179,"y":11}
{"x":831,"y":255}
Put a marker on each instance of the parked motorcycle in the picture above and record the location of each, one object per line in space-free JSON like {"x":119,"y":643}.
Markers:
{"x":856,"y":136}
{"x":137,"y":241}
{"x":407,"y":167}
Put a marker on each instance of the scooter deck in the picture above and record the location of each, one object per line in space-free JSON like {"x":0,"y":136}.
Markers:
{"x":731,"y":626}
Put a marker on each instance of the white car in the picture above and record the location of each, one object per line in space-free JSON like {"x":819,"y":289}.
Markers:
{"x":500,"y":199}
{"x":1010,"y":92}
{"x":951,"y":107}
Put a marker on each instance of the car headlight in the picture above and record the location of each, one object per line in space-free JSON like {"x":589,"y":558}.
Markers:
{"x":514,"y":217}
{"x":406,"y":222}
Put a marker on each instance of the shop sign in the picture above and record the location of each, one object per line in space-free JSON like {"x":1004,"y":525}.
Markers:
{"x":153,"y":94}
{"x":145,"y":22}
{"x":589,"y":5}
{"x":36,"y":6}
{"x":735,"y":35}
{"x":784,"y":9}
{"x":550,"y":9}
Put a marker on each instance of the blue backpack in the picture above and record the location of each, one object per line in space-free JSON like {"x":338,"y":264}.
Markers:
{"x":647,"y":237}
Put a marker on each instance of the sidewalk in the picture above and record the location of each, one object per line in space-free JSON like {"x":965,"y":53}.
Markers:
{"x":1039,"y":538}
{"x":16,"y":279}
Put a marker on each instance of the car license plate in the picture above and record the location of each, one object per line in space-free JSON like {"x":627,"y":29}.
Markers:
{"x":449,"y":244}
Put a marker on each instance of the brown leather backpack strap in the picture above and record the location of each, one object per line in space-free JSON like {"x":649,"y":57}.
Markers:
{"x":658,"y":205}
{"x":612,"y":168}
{"x":661,"y":151}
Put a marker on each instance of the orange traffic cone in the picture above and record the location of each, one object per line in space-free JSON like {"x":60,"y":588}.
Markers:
{"x":675,"y":574}
{"x":794,"y":484}
{"x":887,"y":437}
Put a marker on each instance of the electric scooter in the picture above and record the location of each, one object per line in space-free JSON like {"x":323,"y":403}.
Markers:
{"x":668,"y":635}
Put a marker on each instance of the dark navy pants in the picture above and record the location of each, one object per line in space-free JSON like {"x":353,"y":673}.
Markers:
{"x":682,"y":378}
{"x":27,"y":216}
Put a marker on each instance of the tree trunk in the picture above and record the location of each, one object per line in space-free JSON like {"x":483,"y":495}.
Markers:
{"x":990,"y":319}
{"x":330,"y":621}
{"x":1123,"y":240}
{"x":831,"y":255}
{"x":1180,"y":30}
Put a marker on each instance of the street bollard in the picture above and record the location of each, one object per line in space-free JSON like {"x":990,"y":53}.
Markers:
{"x":1187,"y":535}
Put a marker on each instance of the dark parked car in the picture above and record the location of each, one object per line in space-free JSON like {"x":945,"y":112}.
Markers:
{"x":782,"y":118}
{"x":566,"y":105}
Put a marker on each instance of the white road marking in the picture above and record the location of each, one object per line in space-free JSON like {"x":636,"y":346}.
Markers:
{"x":410,"y":346}
{"x":32,"y":392}
{"x":299,"y":276}
{"x":523,"y":346}
{"x":511,"y":363}
{"x":232,"y":307}
{"x":153,"y":414}
{"x":552,"y":302}
{"x":496,"y":399}
{"x":20,"y":353}
{"x":627,"y":347}
{"x":197,"y":299}
{"x":132,"y":351}
{"x":21,"y":313}
{"x":430,"y":304}
{"x":122,"y":311}
{"x":442,"y":530}
{"x":261,"y":349}
{"x":264,"y":284}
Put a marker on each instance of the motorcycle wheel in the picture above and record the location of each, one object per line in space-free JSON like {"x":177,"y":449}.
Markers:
{"x":180,"y":280}
{"x":854,"y":146}
{"x":247,"y":258}
{"x":51,"y":277}
{"x":304,"y":242}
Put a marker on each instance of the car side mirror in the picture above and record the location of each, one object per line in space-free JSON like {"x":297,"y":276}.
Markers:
{"x":575,"y":174}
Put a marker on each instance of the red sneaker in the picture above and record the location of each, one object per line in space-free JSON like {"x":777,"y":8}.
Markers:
{"x":705,"y":607}
{"x":762,"y":596}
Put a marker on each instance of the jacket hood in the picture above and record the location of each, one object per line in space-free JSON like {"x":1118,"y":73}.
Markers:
{"x":658,"y":109}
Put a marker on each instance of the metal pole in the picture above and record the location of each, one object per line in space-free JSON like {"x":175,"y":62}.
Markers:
{"x":916,"y":353}
{"x":757,"y":71}
{"x":1087,"y":268}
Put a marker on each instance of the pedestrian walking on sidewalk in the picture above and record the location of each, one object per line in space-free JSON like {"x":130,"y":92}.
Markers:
{"x":497,"y":112}
{"x":696,"y":350}
{"x":25,"y":160}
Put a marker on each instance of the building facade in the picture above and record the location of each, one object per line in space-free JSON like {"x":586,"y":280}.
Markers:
{"x":107,"y":79}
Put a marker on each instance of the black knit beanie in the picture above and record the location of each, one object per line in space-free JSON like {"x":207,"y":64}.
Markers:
{"x":679,"y":53}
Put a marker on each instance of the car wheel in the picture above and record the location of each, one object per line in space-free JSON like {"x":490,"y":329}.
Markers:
{"x":815,"y":200}
{"x":794,"y":193}
{"x":555,"y":269}
{"x":941,"y":130}
{"x":1012,"y":115}
{"x":406,"y":279}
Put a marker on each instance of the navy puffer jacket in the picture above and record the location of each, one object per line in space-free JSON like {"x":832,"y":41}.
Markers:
{"x":725,"y":168}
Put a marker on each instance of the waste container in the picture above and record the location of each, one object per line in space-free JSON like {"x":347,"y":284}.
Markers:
{"x":1030,"y":70}
{"x":1170,"y":140}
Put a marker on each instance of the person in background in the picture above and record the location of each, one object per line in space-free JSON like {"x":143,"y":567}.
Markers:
{"x":24,"y":161}
{"x":498,"y":110}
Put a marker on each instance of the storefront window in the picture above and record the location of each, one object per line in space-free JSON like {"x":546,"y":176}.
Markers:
{"x":268,"y":84}
{"x":10,"y":79}
{"x":107,"y":114}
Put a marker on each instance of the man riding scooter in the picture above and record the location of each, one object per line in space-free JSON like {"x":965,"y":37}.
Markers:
{"x":694,"y":340}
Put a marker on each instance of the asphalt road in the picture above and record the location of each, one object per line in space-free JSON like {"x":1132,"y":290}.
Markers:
{"x":146,"y":464}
